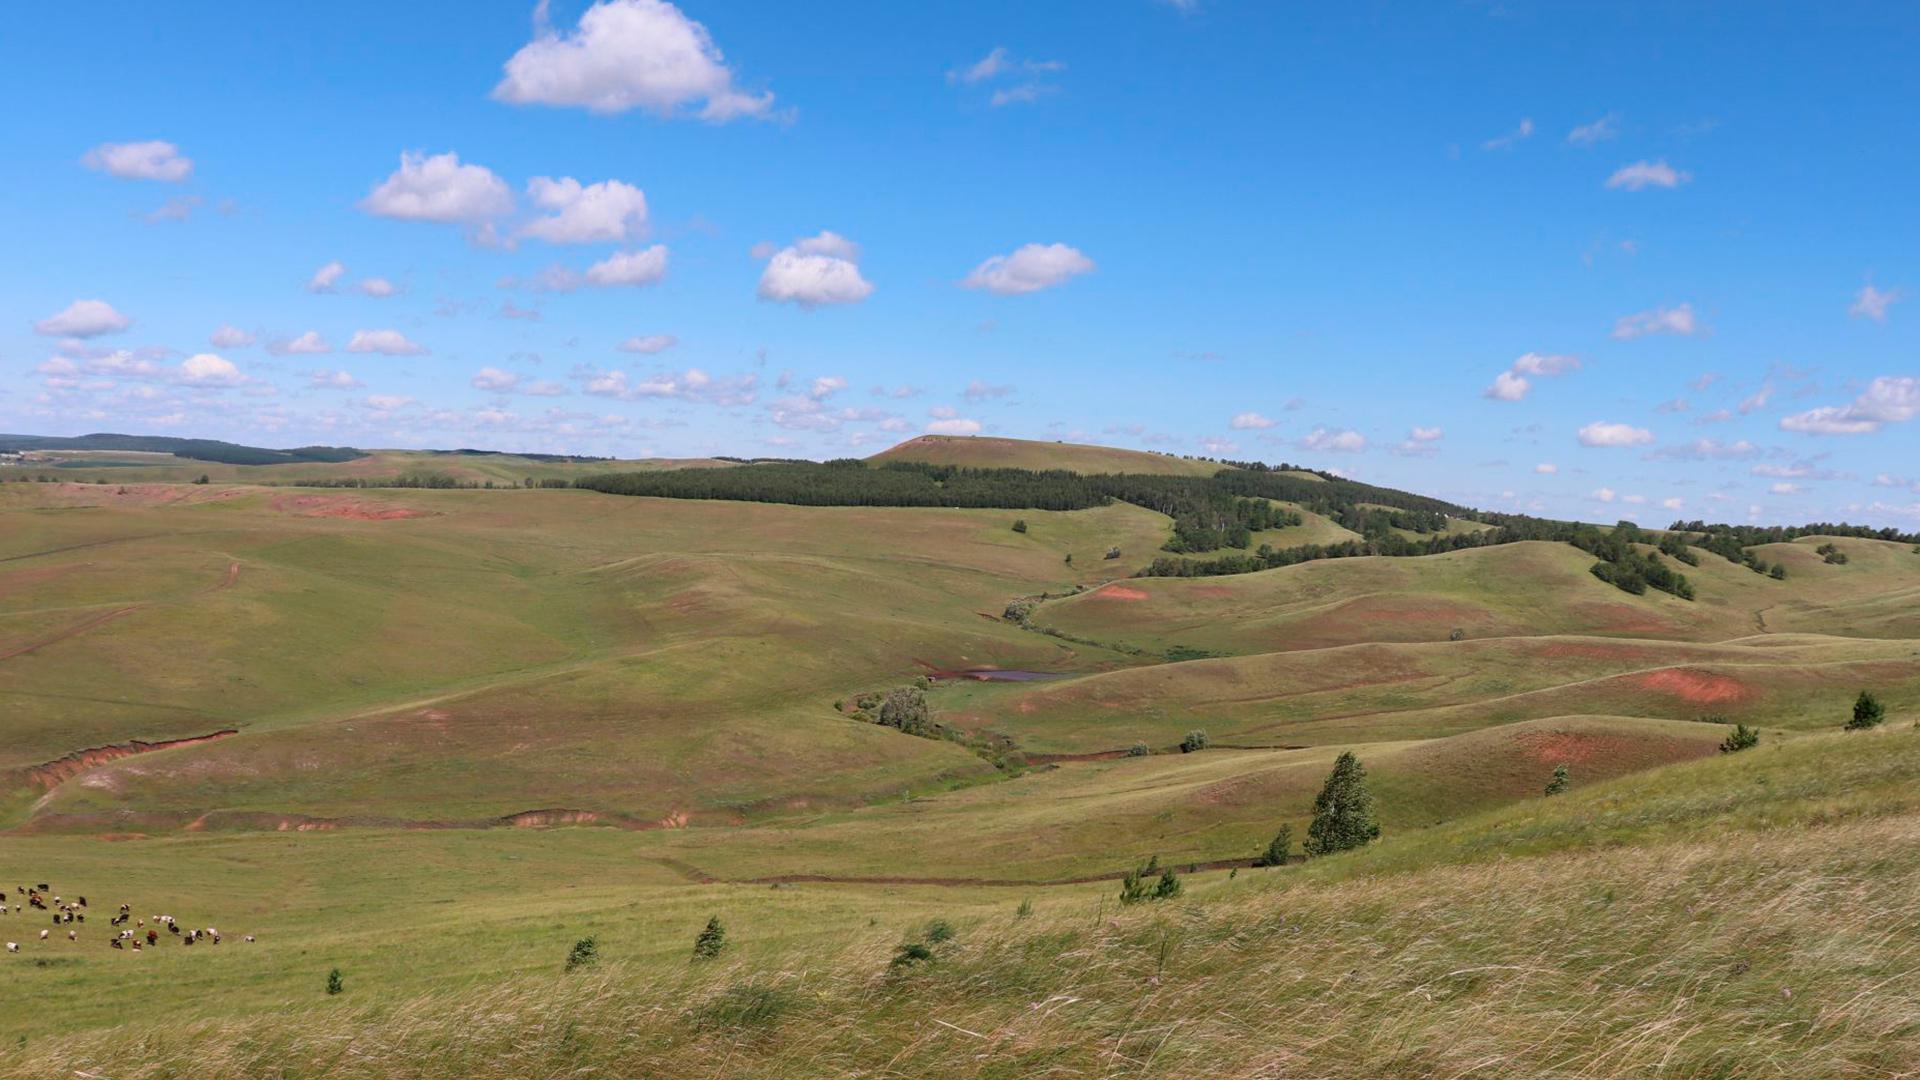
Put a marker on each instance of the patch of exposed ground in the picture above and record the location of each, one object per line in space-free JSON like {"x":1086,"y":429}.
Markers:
{"x":52,"y":774}
{"x":344,"y":506}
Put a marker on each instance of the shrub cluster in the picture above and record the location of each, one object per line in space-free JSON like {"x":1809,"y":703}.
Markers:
{"x":1140,"y":884}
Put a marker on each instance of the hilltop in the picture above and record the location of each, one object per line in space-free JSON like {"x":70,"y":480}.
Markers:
{"x":987,"y":452}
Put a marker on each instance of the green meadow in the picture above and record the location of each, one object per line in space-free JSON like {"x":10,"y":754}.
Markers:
{"x":433,"y":738}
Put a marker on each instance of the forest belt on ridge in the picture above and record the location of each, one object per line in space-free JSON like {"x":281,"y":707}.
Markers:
{"x":1226,"y":509}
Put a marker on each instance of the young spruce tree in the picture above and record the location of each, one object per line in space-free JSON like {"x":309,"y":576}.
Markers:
{"x":1867,"y":712}
{"x":1279,"y":850}
{"x":711,"y":940}
{"x":1558,"y":783}
{"x":1343,"y":811}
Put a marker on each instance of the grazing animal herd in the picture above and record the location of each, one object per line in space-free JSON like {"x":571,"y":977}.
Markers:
{"x":69,"y":913}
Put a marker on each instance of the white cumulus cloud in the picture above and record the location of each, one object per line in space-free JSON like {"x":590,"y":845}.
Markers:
{"x":230,"y":337}
{"x":646,"y":267}
{"x":209,"y":369}
{"x":628,"y":54}
{"x":1250,"y":421}
{"x":1513,"y":383}
{"x":325,"y":379}
{"x":439,"y":188}
{"x":954,"y":426}
{"x":609,"y":212}
{"x":307,"y":344}
{"x":1325,"y":439}
{"x":648,"y":344}
{"x":817,"y":270}
{"x":1888,"y":399}
{"x":1603,"y":433}
{"x":83,"y":319}
{"x":1030,"y":268}
{"x":385,"y":342}
{"x":151,"y":160}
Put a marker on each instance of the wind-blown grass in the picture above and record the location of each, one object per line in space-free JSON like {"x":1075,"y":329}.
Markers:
{"x":1788,"y":951}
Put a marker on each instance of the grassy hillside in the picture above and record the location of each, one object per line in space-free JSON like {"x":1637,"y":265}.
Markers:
{"x":149,"y":467}
{"x":453,"y":656}
{"x":986,"y":452}
{"x":433,"y":737}
{"x":1727,"y":948}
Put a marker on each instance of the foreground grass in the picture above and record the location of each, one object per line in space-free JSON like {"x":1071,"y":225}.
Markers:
{"x":1779,"y":954}
{"x":1706,"y":943}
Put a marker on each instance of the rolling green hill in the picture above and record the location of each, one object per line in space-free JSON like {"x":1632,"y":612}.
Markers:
{"x":987,"y":452}
{"x":433,"y":737}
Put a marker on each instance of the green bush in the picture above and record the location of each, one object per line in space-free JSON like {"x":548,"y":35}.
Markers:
{"x":1133,"y":887}
{"x":585,"y":953}
{"x":909,"y":954}
{"x":1559,"y":781}
{"x":1139,"y":749}
{"x":711,"y":940}
{"x":746,"y":1006}
{"x":905,"y":708}
{"x":1740,"y":738}
{"x":334,"y":982}
{"x":1867,"y":712}
{"x":1279,"y":849}
{"x":1169,"y":885}
{"x":1019,"y":525}
{"x":1195,"y":740}
{"x":937,"y":931}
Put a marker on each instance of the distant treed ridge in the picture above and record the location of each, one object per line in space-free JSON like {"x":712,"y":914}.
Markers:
{"x":851,"y":482}
{"x":1208,"y":513}
{"x":1225,"y":510}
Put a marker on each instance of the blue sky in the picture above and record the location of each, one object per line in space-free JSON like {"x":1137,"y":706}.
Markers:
{"x":1592,"y":260}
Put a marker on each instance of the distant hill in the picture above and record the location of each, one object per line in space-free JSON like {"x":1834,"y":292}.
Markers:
{"x":978,"y":451}
{"x":197,"y":449}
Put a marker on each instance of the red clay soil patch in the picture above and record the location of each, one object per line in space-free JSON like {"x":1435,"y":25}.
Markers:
{"x":1698,"y":687}
{"x":543,"y":819}
{"x":1119,"y":592}
{"x":143,"y":494}
{"x":53,"y":773}
{"x":1609,"y":754}
{"x":343,"y":507}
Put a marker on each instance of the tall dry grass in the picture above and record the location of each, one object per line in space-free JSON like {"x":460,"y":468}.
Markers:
{"x":1784,"y":953}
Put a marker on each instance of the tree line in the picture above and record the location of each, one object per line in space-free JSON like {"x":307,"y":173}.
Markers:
{"x":1209,"y":513}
